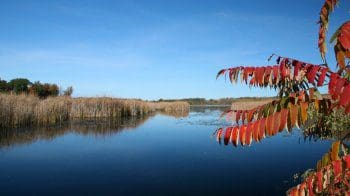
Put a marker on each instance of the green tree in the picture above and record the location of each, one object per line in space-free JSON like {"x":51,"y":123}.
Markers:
{"x":19,"y":85}
{"x":44,"y":90}
{"x":4,"y":87}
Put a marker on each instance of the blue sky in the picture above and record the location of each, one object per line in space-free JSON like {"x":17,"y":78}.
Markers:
{"x":154,"y":49}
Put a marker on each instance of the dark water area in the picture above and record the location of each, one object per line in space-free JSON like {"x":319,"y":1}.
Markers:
{"x":157,"y":155}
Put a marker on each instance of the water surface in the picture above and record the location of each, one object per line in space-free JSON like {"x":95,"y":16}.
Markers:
{"x":157,"y":155}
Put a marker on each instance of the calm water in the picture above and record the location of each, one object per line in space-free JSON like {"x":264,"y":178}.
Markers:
{"x":160,"y":155}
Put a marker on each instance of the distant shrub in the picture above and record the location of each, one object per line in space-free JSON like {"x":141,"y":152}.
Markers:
{"x":68,"y":91}
{"x":19,"y":85}
{"x":43,"y":90}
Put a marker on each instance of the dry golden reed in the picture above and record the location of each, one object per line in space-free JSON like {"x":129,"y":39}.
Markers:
{"x":248,"y":104}
{"x":22,"y":110}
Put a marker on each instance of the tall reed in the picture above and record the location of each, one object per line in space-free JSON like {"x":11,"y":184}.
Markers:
{"x":106,"y":107}
{"x":247,"y":104}
{"x":22,"y":110}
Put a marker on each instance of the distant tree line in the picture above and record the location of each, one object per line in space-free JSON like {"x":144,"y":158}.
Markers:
{"x":222,"y":101}
{"x":42,"y":90}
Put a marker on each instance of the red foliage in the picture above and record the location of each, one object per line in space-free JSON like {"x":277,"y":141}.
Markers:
{"x":333,"y":178}
{"x":326,"y":9}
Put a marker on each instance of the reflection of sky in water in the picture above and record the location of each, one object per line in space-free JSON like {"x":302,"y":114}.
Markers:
{"x":206,"y":116}
{"x":161,"y":156}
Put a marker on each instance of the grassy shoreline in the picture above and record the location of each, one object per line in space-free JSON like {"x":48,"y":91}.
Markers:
{"x":28,"y":110}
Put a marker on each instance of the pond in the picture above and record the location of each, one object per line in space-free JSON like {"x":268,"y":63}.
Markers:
{"x":157,"y":155}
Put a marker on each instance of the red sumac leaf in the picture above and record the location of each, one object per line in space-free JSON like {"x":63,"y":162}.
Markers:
{"x":294,"y":192}
{"x":276,"y":123}
{"x":297,"y":66}
{"x":244,"y":113}
{"x":293,"y":115}
{"x":262,"y":124}
{"x":338,"y":88}
{"x":337,"y":168}
{"x":319,"y":176}
{"x":322,"y":77}
{"x":345,"y":96}
{"x":227,"y":135}
{"x":242,"y":131}
{"x":302,"y":188}
{"x":250,"y":115}
{"x":283,"y":119}
{"x":221,"y":72}
{"x":312,"y":74}
{"x":269,"y":125}
{"x":303,"y":111}
{"x":309,"y":182}
{"x":234,"y":136}
{"x":275,"y":72}
{"x":344,"y":36}
{"x":219,"y":134}
{"x":340,"y":56}
{"x":283,"y":68}
{"x":248,"y":135}
{"x":255,"y":130}
{"x":347,"y":109}
{"x":332,"y":83}
{"x":346,"y":160}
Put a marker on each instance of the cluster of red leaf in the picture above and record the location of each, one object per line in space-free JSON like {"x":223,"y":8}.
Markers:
{"x":342,"y":36}
{"x":292,"y":79}
{"x":326,"y":9}
{"x":287,"y":73}
{"x":285,"y":113}
{"x":331,"y":177}
{"x":270,"y":119}
{"x":293,"y":76}
{"x":256,"y":130}
{"x":339,"y":88}
{"x":342,"y":45}
{"x":302,"y":99}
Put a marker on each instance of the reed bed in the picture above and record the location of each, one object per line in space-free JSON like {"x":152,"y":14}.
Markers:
{"x":175,"y":106}
{"x":26,"y":110}
{"x":247,"y":104}
{"x":105,"y":107}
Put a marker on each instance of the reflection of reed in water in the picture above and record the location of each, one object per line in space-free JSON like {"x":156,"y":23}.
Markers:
{"x":175,"y":114}
{"x":100,"y":127}
{"x":88,"y":126}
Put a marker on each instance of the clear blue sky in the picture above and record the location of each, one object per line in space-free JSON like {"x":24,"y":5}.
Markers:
{"x":154,"y":49}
